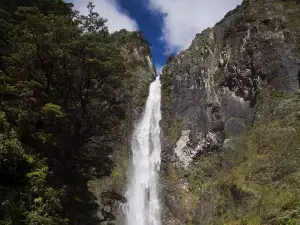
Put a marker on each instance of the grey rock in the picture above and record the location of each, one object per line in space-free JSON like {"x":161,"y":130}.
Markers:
{"x":234,"y":127}
{"x":212,"y":87}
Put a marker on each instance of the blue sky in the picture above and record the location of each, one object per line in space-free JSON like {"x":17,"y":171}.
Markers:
{"x":170,"y":25}
{"x":150,"y":24}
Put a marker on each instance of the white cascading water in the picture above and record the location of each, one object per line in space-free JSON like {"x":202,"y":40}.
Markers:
{"x":142,"y":195}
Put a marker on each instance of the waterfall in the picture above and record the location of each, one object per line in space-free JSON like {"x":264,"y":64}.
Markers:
{"x":143,"y":205}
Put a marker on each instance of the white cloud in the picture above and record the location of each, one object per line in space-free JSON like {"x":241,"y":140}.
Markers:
{"x":183,"y":19}
{"x":159,"y":69}
{"x":109,"y":9}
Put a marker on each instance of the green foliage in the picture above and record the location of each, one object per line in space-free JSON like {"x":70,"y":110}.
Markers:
{"x":190,"y":221}
{"x":53,"y":109}
{"x":30,"y":183}
{"x":64,"y":88}
{"x":166,"y":88}
{"x":201,"y":175}
{"x":262,"y":187}
{"x":290,"y":214}
{"x":218,"y":76}
{"x":286,"y":221}
{"x":293,"y":22}
{"x":131,"y":40}
{"x":175,"y":130}
{"x":256,"y":178}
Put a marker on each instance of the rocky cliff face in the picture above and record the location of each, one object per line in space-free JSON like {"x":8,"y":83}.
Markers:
{"x":230,"y":153}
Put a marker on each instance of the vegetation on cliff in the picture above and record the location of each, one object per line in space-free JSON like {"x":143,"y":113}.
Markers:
{"x":232,"y":72}
{"x":262,"y":181}
{"x":254,"y":178}
{"x":64,"y":93}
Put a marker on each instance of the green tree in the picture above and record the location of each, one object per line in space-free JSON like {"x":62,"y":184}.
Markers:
{"x":63,"y":93}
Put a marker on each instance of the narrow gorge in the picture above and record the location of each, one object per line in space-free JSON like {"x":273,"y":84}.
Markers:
{"x":90,"y":134}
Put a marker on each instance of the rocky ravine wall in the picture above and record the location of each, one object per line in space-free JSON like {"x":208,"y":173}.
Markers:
{"x":227,"y":141}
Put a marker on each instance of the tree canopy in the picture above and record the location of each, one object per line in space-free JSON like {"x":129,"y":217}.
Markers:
{"x":62,"y":99}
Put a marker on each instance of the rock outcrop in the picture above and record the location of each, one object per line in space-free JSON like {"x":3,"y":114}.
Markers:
{"x":216,"y":93}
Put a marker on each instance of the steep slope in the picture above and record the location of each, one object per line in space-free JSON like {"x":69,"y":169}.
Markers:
{"x":136,"y":53}
{"x":69,"y":93}
{"x":231,"y":129}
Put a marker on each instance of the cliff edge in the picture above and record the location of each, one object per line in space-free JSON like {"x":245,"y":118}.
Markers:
{"x":231,"y":120}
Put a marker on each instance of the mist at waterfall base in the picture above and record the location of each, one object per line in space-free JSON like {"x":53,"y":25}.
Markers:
{"x":143,"y":206}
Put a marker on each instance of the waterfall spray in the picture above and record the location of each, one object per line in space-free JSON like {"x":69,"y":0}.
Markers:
{"x":143,"y":205}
